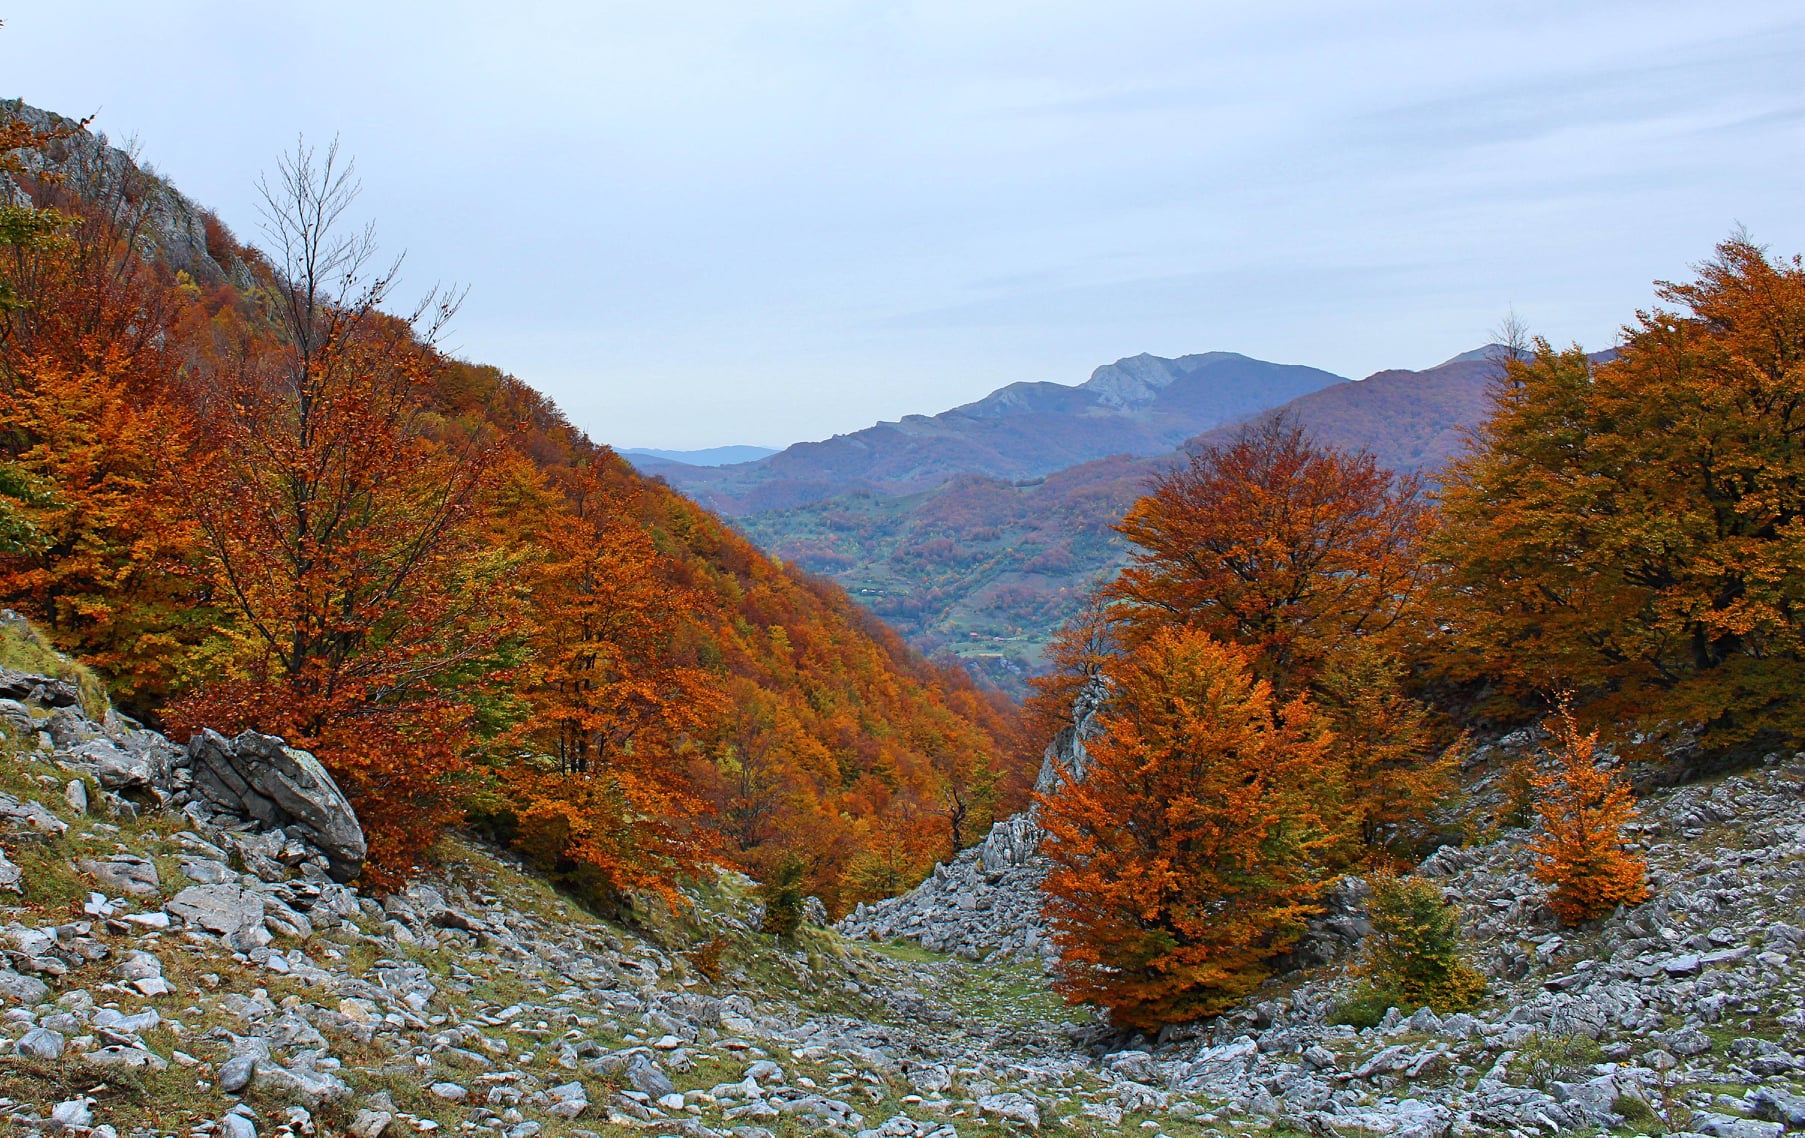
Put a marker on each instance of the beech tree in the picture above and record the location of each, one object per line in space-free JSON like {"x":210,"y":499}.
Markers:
{"x":345,"y":524}
{"x":1579,"y":850}
{"x":1271,"y":541}
{"x":1634,"y":530}
{"x":615,"y":702}
{"x":1199,"y":839}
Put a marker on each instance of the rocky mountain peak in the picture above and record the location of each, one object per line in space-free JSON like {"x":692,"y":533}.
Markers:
{"x":1135,"y":381}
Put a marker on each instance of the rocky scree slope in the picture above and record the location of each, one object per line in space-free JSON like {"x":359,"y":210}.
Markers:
{"x":1683,"y":1015}
{"x":176,"y":963}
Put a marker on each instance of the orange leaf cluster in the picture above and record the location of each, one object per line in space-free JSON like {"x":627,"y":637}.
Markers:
{"x":1294,"y":550}
{"x":1633,"y":530}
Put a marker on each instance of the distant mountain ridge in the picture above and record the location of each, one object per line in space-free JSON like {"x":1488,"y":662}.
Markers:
{"x":707,"y":456}
{"x":1139,"y":405}
{"x":986,"y":568}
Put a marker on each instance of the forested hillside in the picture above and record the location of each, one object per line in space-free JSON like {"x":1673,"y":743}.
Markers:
{"x":248,"y":493}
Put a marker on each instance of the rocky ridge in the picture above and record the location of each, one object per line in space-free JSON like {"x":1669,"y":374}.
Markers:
{"x":173,"y":967}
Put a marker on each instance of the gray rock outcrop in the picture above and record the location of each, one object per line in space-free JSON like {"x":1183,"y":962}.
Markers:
{"x":985,"y":903}
{"x":281,"y":787}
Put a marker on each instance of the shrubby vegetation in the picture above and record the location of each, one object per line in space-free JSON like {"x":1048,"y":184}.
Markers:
{"x":1414,"y":956}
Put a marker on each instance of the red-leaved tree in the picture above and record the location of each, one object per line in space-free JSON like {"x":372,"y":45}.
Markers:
{"x":346,"y":529}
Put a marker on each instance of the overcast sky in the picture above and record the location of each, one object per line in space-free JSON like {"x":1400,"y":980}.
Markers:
{"x":705,"y":223}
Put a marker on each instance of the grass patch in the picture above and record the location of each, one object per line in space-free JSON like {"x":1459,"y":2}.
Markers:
{"x":907,"y":951}
{"x":169,"y":1100}
{"x":23,"y":649}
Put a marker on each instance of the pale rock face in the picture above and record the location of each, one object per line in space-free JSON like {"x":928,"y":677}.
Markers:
{"x":117,"y":768}
{"x":281,"y":787}
{"x":123,"y":873}
{"x":220,"y":909}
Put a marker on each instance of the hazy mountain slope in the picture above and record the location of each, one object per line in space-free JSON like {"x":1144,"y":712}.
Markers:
{"x":985,"y":569}
{"x":1408,"y":420}
{"x":1142,"y":405}
{"x":707,"y":456}
{"x":981,"y":569}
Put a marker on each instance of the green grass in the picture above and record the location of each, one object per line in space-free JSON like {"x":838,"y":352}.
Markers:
{"x":24,"y":649}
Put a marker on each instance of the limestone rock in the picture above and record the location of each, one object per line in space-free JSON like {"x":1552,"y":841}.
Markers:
{"x":25,"y":989}
{"x":117,"y":768}
{"x":123,"y":873}
{"x":221,"y":909}
{"x":261,"y":778}
{"x":45,"y":691}
{"x":1011,"y":1107}
{"x":40,"y":1043}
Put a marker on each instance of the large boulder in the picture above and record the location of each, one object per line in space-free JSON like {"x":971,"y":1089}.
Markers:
{"x":259,"y":777}
{"x":45,"y":691}
{"x":221,"y":909}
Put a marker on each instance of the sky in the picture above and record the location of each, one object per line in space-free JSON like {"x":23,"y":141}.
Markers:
{"x":704,"y":223}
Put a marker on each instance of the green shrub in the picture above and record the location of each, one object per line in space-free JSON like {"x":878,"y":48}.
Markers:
{"x":1364,"y":1008}
{"x":1544,"y":1058}
{"x":1635,"y":1112}
{"x":1414,"y":957}
{"x":783,"y":897}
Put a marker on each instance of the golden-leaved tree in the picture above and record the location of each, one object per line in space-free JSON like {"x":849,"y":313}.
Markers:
{"x":1199,"y":839}
{"x":1258,"y":739}
{"x":93,"y":547}
{"x":1634,"y":530}
{"x":1580,"y":847}
{"x":1295,"y":550}
{"x":346,"y":526}
{"x":616,"y":698}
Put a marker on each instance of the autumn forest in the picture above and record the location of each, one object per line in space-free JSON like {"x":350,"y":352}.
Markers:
{"x":243,"y":483}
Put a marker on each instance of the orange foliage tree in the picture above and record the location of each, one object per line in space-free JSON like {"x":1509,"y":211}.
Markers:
{"x":1579,"y":849}
{"x":617,"y":699}
{"x":96,"y":551}
{"x":1198,"y":841}
{"x":1311,"y":559}
{"x":1634,"y":530}
{"x":1295,"y":550}
{"x":346,"y":529}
